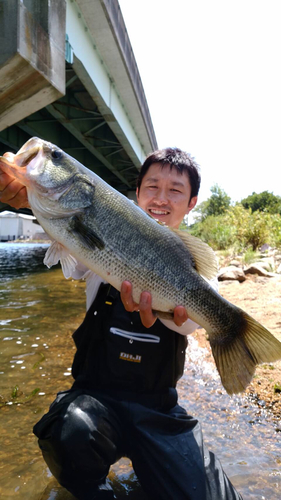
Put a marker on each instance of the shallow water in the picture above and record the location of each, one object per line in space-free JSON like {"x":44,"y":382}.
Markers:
{"x":39,"y":310}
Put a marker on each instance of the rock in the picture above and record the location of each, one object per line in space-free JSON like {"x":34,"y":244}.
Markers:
{"x":256,"y":268}
{"x":267,"y":263}
{"x":277,"y":257}
{"x":265,"y":247}
{"x":235,"y":263}
{"x":231,"y":273}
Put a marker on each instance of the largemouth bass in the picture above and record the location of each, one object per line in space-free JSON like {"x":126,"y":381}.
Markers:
{"x":93,"y":223}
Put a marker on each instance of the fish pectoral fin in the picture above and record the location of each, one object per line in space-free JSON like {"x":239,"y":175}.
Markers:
{"x":80,"y":194}
{"x":236,"y":359}
{"x":87,"y":236}
{"x":57,"y":252}
{"x":203,"y":255}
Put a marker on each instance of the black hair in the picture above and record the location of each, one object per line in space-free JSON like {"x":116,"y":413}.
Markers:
{"x":175,"y":158}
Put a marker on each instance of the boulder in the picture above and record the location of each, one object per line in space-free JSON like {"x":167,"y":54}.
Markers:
{"x":231,"y":273}
{"x":267,"y":264}
{"x":265,"y":247}
{"x":235,"y":263}
{"x":257,"y":268}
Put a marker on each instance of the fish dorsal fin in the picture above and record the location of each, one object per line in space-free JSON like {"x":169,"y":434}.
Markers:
{"x":203,"y":255}
{"x":57,"y":252}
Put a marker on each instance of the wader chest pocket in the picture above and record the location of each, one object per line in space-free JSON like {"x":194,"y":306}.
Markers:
{"x":132,"y":359}
{"x":139,"y":337}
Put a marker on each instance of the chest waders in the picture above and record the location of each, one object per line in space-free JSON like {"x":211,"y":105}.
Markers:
{"x":124,"y":403}
{"x":116,"y":353}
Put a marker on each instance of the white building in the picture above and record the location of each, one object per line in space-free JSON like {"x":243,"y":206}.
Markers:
{"x":18,"y":226}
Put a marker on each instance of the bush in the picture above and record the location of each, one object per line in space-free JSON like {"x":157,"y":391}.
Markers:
{"x":252,"y":229}
{"x":250,"y":256}
{"x":214,"y":231}
{"x":240,"y":228}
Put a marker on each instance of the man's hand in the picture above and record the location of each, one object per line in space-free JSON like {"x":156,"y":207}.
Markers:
{"x":144,"y":307}
{"x":12,"y":191}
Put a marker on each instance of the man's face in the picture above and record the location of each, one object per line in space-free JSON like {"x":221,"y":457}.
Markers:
{"x":165,"y":194}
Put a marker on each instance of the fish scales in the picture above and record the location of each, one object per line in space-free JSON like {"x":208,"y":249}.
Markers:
{"x":101,"y":228}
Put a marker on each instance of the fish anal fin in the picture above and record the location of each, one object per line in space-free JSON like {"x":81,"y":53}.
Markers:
{"x":236,"y":359}
{"x":203,"y":255}
{"x":87,"y":236}
{"x":57,"y":252}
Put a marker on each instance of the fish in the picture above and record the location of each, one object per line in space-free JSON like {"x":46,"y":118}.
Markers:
{"x":91,"y":222}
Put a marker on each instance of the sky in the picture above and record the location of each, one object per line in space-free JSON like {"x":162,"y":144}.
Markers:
{"x":211,"y":72}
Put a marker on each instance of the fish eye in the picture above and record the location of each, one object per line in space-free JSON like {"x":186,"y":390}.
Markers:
{"x":56,"y":154}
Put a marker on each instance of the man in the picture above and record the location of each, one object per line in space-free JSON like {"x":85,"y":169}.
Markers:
{"x":124,"y":400}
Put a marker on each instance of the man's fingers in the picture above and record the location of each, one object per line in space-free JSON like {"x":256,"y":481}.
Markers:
{"x":12,"y":192}
{"x":146,"y":314}
{"x":19,"y":200}
{"x":145,"y":307}
{"x":127,"y":298}
{"x":180,"y":315}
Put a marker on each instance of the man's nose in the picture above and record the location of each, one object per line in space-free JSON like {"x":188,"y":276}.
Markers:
{"x":161,"y":197}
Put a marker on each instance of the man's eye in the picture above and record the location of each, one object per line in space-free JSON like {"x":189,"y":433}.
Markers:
{"x":175,"y":190}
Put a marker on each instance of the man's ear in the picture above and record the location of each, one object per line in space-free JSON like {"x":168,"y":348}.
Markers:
{"x":137,"y":193}
{"x":192,"y":203}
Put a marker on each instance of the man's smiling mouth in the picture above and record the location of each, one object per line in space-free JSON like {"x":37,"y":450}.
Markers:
{"x":158,"y":212}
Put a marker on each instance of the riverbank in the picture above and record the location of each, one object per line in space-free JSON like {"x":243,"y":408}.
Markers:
{"x":261,"y":298}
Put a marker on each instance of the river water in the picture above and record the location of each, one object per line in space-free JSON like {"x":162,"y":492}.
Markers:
{"x":39,"y":310}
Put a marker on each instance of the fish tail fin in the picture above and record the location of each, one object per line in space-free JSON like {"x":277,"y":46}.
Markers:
{"x":236,"y":359}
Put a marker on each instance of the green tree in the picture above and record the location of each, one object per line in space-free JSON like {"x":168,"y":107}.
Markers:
{"x":217,"y":204}
{"x":264,"y":202}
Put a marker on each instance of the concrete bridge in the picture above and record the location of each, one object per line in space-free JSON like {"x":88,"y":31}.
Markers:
{"x":68,"y":75}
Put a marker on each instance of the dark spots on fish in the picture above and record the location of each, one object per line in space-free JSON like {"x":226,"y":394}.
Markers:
{"x":87,"y":236}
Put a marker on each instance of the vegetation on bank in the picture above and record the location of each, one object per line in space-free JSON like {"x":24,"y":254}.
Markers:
{"x":243,"y":226}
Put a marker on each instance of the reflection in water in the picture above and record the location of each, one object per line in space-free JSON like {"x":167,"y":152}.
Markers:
{"x":39,"y":310}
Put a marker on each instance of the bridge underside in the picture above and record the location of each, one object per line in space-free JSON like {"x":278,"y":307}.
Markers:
{"x":68,"y":76}
{"x":76,"y":125}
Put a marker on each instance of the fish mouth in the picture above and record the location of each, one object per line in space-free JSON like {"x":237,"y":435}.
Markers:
{"x":25,"y":155}
{"x":28,"y":152}
{"x":23,"y":159}
{"x":31,"y":143}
